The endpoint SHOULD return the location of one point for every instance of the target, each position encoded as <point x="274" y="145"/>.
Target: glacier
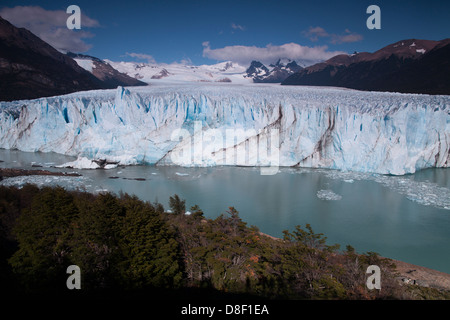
<point x="317" y="127"/>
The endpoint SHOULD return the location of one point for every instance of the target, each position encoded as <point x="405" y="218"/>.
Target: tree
<point x="305" y="264"/>
<point x="44" y="234"/>
<point x="196" y="212"/>
<point x="177" y="205"/>
<point x="95" y="242"/>
<point x="151" y="253"/>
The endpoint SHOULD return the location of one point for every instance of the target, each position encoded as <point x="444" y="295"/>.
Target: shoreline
<point x="422" y="276"/>
<point x="15" y="172"/>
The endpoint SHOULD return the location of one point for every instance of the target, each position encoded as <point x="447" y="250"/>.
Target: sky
<point x="211" y="31"/>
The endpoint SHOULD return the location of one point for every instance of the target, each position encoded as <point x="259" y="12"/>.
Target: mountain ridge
<point x="104" y="71"/>
<point x="278" y="72"/>
<point x="31" y="68"/>
<point x="406" y="66"/>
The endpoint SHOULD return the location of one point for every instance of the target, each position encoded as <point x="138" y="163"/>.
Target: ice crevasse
<point x="386" y="133"/>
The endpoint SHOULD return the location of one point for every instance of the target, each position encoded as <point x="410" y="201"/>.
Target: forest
<point x="129" y="248"/>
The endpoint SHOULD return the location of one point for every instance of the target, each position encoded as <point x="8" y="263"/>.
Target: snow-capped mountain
<point x="221" y="72"/>
<point x="256" y="70"/>
<point x="104" y="72"/>
<point x="277" y="73"/>
<point x="333" y="128"/>
<point x="150" y="72"/>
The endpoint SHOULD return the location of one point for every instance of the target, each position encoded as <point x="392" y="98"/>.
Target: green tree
<point x="151" y="253"/>
<point x="43" y="233"/>
<point x="196" y="212"/>
<point x="95" y="241"/>
<point x="304" y="263"/>
<point x="177" y="205"/>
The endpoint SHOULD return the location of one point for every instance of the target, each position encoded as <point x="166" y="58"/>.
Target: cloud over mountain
<point x="314" y="33"/>
<point x="50" y="26"/>
<point x="141" y="56"/>
<point x="269" y="54"/>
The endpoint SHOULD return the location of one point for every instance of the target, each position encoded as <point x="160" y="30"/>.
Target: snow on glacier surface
<point x="317" y="127"/>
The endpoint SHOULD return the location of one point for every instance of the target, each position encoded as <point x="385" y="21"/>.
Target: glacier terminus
<point x="210" y="124"/>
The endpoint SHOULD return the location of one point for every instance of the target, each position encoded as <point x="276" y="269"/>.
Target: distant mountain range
<point x="277" y="73"/>
<point x="30" y="68"/>
<point x="407" y="66"/>
<point x="162" y="72"/>
<point x="221" y="72"/>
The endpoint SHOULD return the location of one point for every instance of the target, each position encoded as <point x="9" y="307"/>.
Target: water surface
<point x="405" y="218"/>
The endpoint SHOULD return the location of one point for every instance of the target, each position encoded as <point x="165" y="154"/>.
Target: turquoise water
<point x="405" y="218"/>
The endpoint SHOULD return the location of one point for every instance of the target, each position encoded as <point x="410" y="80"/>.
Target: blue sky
<point x="204" y="32"/>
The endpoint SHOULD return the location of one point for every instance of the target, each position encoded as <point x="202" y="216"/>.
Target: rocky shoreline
<point x="13" y="172"/>
<point x="422" y="276"/>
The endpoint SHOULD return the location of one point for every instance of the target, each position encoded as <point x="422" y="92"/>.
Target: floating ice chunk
<point x="423" y="192"/>
<point x="80" y="163"/>
<point x="110" y="166"/>
<point x="328" y="195"/>
<point x="85" y="163"/>
<point x="69" y="182"/>
<point x="101" y="190"/>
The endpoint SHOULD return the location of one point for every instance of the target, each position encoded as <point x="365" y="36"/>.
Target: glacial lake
<point x="401" y="217"/>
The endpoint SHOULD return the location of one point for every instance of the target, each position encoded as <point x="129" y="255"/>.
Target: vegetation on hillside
<point x="125" y="246"/>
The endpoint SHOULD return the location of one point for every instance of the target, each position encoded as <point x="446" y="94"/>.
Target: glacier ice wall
<point x="386" y="133"/>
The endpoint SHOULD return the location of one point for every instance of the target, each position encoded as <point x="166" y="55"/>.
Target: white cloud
<point x="346" y="38"/>
<point x="237" y="27"/>
<point x="269" y="54"/>
<point x="141" y="56"/>
<point x="51" y="27"/>
<point x="186" y="62"/>
<point x="314" y="33"/>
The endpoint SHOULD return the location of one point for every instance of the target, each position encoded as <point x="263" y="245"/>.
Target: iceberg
<point x="80" y="163"/>
<point x="85" y="163"/>
<point x="209" y="124"/>
<point x="328" y="195"/>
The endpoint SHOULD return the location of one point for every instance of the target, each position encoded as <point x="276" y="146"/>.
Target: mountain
<point x="181" y="72"/>
<point x="278" y="72"/>
<point x="221" y="72"/>
<point x="31" y="68"/>
<point x="407" y="66"/>
<point x="331" y="128"/>
<point x="257" y="70"/>
<point x="104" y="71"/>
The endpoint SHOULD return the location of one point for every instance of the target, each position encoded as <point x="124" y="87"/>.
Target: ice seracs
<point x="349" y="130"/>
